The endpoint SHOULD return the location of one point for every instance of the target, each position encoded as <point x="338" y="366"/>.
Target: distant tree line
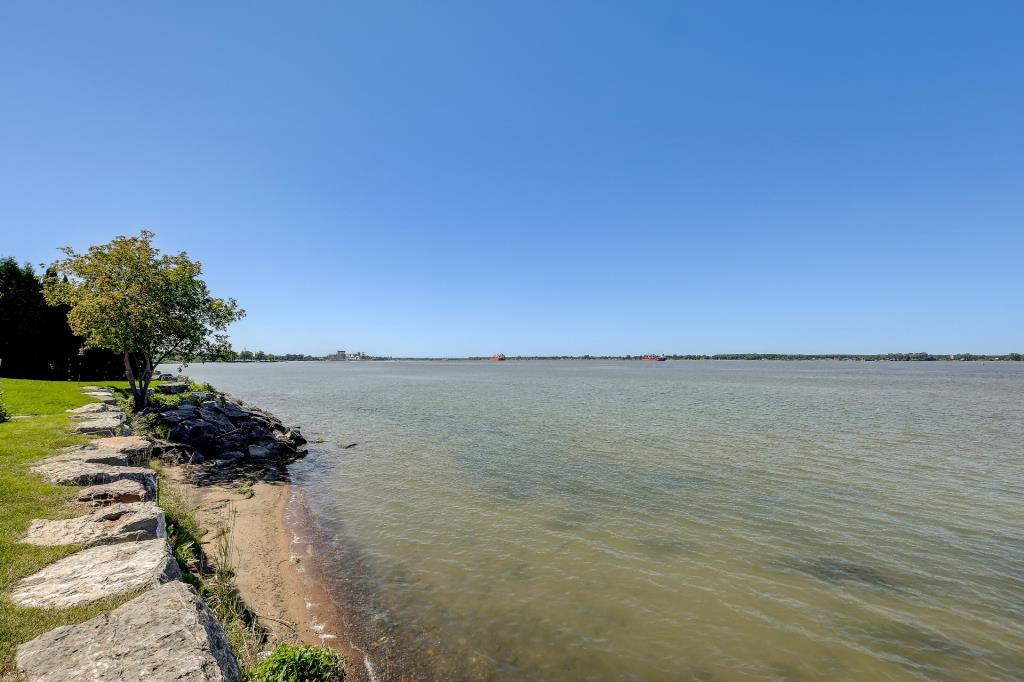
<point x="260" y="356"/>
<point x="36" y="341"/>
<point x="894" y="357"/>
<point x="228" y="354"/>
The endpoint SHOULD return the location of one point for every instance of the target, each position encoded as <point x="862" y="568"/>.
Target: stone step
<point x="93" y="408"/>
<point x="103" y="397"/>
<point x="71" y="471"/>
<point x="122" y="491"/>
<point x="116" y="450"/>
<point x="87" y="389"/>
<point x="171" y="388"/>
<point x="98" y="573"/>
<point x="136" y="448"/>
<point x="167" y="634"/>
<point x="98" y="415"/>
<point x="106" y="425"/>
<point x="117" y="523"/>
<point x="91" y="455"/>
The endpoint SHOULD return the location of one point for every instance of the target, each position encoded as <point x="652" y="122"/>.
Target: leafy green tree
<point x="128" y="297"/>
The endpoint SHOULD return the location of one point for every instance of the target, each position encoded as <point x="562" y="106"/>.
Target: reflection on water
<point x="665" y="521"/>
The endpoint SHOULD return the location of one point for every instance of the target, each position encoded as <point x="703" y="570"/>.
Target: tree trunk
<point x="147" y="377"/>
<point x="140" y="396"/>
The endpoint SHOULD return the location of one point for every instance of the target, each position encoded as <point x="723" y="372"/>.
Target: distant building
<point x="341" y="356"/>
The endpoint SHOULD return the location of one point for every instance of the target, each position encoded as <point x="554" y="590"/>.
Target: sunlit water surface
<point x="662" y="521"/>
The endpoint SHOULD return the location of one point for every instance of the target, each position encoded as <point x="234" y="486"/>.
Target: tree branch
<point x="167" y="352"/>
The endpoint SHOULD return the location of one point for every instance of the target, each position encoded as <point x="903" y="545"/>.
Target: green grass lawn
<point x="24" y="496"/>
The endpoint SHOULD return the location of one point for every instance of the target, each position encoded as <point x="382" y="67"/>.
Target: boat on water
<point x="497" y="357"/>
<point x="651" y="357"/>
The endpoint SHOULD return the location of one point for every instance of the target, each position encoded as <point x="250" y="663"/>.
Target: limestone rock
<point x="92" y="408"/>
<point x="164" y="635"/>
<point x="136" y="448"/>
<point x="105" y="425"/>
<point x="103" y="397"/>
<point x="113" y="412"/>
<point x="171" y="388"/>
<point x="77" y="472"/>
<point x="98" y="573"/>
<point x="89" y="389"/>
<point x="91" y="455"/>
<point x="119" y="450"/>
<point x="117" y="523"/>
<point x="113" y="493"/>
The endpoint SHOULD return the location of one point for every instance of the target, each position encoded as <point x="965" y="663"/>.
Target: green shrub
<point x="4" y="414"/>
<point x="300" y="663"/>
<point x="166" y="399"/>
<point x="202" y="387"/>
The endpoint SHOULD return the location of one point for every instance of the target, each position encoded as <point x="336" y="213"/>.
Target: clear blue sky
<point x="451" y="178"/>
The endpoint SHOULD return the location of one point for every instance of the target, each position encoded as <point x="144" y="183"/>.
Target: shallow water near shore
<point x="588" y="520"/>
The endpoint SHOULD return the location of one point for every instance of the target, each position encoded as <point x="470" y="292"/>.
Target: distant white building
<point x="340" y="355"/>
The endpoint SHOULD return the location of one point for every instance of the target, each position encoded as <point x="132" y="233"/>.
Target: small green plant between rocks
<point x="299" y="663"/>
<point x="201" y="387"/>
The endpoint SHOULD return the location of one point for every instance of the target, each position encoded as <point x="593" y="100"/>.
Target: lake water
<point x="589" y="520"/>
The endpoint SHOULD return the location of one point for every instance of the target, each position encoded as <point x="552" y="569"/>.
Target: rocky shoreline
<point x="197" y="425"/>
<point x="163" y="630"/>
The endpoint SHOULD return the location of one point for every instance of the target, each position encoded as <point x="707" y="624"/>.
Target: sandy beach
<point x="275" y="571"/>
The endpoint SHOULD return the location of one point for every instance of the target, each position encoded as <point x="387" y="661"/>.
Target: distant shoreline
<point x="879" y="357"/>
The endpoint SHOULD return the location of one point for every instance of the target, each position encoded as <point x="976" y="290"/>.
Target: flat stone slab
<point x="113" y="412"/>
<point x="93" y="408"/>
<point x="136" y="448"/>
<point x="114" y="493"/>
<point x="91" y="455"/>
<point x="117" y="523"/>
<point x="70" y="471"/>
<point x="104" y="389"/>
<point x="165" y="635"/>
<point x="103" y="397"/>
<point x="104" y="425"/>
<point x="98" y="573"/>
<point x="116" y="450"/>
<point x="171" y="388"/>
